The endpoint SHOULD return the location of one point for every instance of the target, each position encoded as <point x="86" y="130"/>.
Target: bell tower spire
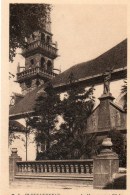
<point x="39" y="58"/>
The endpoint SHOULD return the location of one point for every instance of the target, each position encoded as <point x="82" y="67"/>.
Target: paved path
<point x="48" y="185"/>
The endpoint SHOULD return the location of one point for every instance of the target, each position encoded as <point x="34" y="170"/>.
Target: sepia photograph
<point x="67" y="105"/>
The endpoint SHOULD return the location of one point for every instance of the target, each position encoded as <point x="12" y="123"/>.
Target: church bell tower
<point x="39" y="59"/>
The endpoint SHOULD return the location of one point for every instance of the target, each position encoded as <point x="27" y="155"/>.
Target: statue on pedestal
<point x="107" y="78"/>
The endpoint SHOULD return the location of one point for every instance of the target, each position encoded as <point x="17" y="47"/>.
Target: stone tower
<point x="39" y="59"/>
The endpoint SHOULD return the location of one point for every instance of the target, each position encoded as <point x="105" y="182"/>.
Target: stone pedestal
<point x="12" y="164"/>
<point x="106" y="165"/>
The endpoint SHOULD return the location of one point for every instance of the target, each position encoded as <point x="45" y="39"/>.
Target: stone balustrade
<point x="55" y="166"/>
<point x="35" y="71"/>
<point x="44" y="46"/>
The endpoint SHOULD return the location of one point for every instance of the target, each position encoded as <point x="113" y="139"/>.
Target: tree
<point x="15" y="127"/>
<point x="124" y="92"/>
<point x="65" y="142"/>
<point x="71" y="141"/>
<point x="46" y="111"/>
<point x="118" y="145"/>
<point x="24" y="20"/>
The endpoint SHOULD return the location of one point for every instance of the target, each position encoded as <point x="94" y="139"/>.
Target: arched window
<point x="49" y="66"/>
<point x="42" y="62"/>
<point x="43" y="37"/>
<point x="48" y="39"/>
<point x="32" y="61"/>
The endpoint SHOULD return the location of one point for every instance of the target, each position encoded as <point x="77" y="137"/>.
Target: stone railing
<point x="55" y="166"/>
<point x="47" y="48"/>
<point x="35" y="71"/>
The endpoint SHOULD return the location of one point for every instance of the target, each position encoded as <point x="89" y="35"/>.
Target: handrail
<point x="55" y="166"/>
<point x="44" y="46"/>
<point x="34" y="71"/>
<point x="71" y="160"/>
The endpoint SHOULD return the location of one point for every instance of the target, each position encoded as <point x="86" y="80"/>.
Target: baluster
<point x="67" y="168"/>
<point x="82" y="170"/>
<point x="58" y="168"/>
<point x="29" y="167"/>
<point x="72" y="168"/>
<point x="62" y="168"/>
<point x="91" y="168"/>
<point x="54" y="168"/>
<point x="49" y="168"/>
<point x="33" y="168"/>
<point x="38" y="168"/>
<point x="45" y="166"/>
<point x="76" y="169"/>
<point x="41" y="167"/>
<point x="25" y="168"/>
<point x="86" y="168"/>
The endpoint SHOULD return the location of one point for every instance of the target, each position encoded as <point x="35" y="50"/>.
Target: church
<point x="39" y="69"/>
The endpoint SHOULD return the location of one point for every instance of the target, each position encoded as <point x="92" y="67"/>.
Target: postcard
<point x="64" y="97"/>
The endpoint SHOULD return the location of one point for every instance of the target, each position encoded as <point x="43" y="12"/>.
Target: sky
<point x="83" y="32"/>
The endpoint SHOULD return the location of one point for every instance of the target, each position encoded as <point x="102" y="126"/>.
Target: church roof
<point x="26" y="105"/>
<point x="115" y="58"/>
<point x="16" y="126"/>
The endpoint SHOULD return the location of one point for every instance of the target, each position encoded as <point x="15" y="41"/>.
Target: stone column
<point x="12" y="164"/>
<point x="106" y="165"/>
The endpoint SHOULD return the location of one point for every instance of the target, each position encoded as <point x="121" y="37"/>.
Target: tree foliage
<point x="69" y="140"/>
<point x="76" y="108"/>
<point x="118" y="145"/>
<point x="24" y="20"/>
<point x="14" y="127"/>
<point x="124" y="92"/>
<point x="46" y="110"/>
